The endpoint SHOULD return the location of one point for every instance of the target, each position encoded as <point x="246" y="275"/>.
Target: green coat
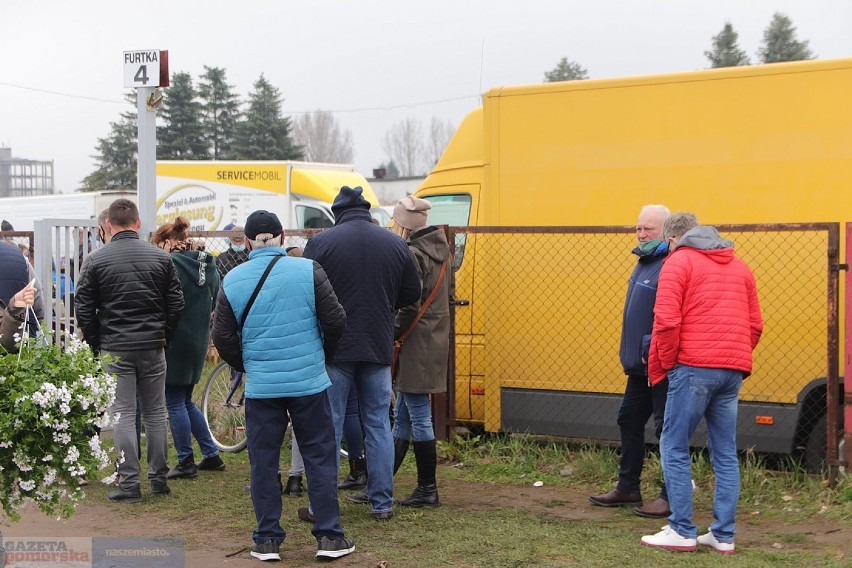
<point x="199" y="281"/>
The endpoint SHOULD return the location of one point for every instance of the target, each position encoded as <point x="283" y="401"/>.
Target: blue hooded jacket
<point x="638" y="319"/>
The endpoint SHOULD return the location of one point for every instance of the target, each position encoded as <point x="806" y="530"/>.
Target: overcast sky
<point x="372" y="62"/>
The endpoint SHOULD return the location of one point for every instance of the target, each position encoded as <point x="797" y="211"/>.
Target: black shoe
<point x="360" y="498"/>
<point x="294" y="485"/>
<point x="334" y="548"/>
<point x="423" y="496"/>
<point x="357" y="477"/>
<point x="213" y="463"/>
<point x="386" y="516"/>
<point x="126" y="495"/>
<point x="354" y="481"/>
<point x="184" y="470"/>
<point x="267" y="551"/>
<point x="160" y="487"/>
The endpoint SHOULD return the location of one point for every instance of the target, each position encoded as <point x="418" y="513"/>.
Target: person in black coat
<point x="129" y="302"/>
<point x="373" y="275"/>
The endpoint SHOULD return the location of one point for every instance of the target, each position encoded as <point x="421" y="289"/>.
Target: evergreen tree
<point x="181" y="137"/>
<point x="780" y="43"/>
<point x="220" y="111"/>
<point x="726" y="52"/>
<point x="264" y="134"/>
<point x="566" y="71"/>
<point x="391" y="170"/>
<point x="116" y="155"/>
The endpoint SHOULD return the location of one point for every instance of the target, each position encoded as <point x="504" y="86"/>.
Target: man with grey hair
<point x="278" y="320"/>
<point x="707" y="322"/>
<point x="641" y="401"/>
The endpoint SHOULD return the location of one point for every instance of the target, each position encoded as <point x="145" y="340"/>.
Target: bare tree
<point x="322" y="139"/>
<point x="440" y="132"/>
<point x="403" y="143"/>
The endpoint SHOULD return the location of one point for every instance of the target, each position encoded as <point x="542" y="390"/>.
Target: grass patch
<point x="494" y="523"/>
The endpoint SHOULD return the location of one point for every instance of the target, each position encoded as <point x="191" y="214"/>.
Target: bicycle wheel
<point x="222" y="406"/>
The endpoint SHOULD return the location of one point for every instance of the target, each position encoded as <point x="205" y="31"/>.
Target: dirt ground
<point x="95" y="518"/>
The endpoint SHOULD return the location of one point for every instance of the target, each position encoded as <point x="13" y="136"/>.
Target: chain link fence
<point x="537" y="325"/>
<point x="538" y="320"/>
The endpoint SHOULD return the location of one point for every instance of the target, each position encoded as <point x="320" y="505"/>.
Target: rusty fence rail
<point x="537" y="324"/>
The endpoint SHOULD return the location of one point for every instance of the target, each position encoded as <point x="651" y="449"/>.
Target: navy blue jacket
<point x="639" y="311"/>
<point x="13" y="271"/>
<point x="373" y="274"/>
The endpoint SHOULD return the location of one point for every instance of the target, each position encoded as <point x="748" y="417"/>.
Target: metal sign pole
<point x="146" y="172"/>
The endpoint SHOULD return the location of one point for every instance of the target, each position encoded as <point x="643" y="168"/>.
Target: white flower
<point x="73" y="455"/>
<point x="27" y="485"/>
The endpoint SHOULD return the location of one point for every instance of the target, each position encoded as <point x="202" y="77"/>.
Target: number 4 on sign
<point x="141" y="75"/>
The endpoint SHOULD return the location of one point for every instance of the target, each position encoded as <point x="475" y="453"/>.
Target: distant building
<point x="390" y="190"/>
<point x="20" y="177"/>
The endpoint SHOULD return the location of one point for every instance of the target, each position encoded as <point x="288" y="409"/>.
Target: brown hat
<point x="411" y="212"/>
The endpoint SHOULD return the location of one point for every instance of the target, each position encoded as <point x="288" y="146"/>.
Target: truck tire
<point x="815" y="449"/>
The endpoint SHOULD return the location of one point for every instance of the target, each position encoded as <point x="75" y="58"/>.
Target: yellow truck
<point x="538" y="315"/>
<point x="212" y="194"/>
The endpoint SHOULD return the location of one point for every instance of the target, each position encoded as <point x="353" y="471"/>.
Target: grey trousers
<point x="142" y="373"/>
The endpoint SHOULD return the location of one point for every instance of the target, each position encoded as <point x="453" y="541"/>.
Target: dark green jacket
<point x="199" y="281"/>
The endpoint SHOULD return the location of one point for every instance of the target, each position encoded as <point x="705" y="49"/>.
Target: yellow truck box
<point x="762" y="144"/>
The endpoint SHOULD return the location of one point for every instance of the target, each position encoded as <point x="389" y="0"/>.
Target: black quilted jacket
<point x="128" y="297"/>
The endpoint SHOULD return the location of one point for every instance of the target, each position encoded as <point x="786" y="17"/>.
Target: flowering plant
<point x="52" y="402"/>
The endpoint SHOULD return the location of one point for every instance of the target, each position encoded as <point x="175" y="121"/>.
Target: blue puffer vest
<point x="281" y="339"/>
<point x="13" y="271"/>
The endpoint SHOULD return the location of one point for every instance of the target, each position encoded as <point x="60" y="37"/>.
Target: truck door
<point x="457" y="208"/>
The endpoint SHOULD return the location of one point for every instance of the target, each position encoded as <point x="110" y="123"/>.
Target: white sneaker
<point x="669" y="540"/>
<point x="720" y="547"/>
<point x="268" y="551"/>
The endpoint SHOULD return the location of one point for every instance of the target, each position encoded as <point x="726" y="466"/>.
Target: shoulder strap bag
<point x="257" y="290"/>
<point x="397" y="344"/>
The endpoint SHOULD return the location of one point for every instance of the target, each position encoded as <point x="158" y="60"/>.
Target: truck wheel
<point x="815" y="450"/>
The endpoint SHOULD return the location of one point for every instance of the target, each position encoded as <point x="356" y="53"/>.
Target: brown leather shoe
<point x="617" y="498"/>
<point x="656" y="509"/>
<point x="305" y="514"/>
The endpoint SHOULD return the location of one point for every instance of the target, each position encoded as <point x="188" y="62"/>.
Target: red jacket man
<point x="706" y="324"/>
<point x="704" y="272"/>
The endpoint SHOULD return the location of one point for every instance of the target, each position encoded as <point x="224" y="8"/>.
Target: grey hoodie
<point x="704" y="237"/>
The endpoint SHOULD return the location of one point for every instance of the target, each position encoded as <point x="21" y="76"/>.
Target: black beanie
<point x="6" y="226"/>
<point x="347" y="199"/>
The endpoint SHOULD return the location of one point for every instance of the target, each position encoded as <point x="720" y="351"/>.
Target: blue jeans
<point x="186" y="421"/>
<point x="640" y="402"/>
<point x="712" y="394"/>
<point x="353" y="434"/>
<point x="266" y="423"/>
<point x="373" y="382"/>
<point x="412" y="417"/>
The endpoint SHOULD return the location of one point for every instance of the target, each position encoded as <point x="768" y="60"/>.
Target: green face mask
<point x="650" y="246"/>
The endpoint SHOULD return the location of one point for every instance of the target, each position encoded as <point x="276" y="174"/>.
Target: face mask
<point x="238" y="248"/>
<point x="650" y="246"/>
